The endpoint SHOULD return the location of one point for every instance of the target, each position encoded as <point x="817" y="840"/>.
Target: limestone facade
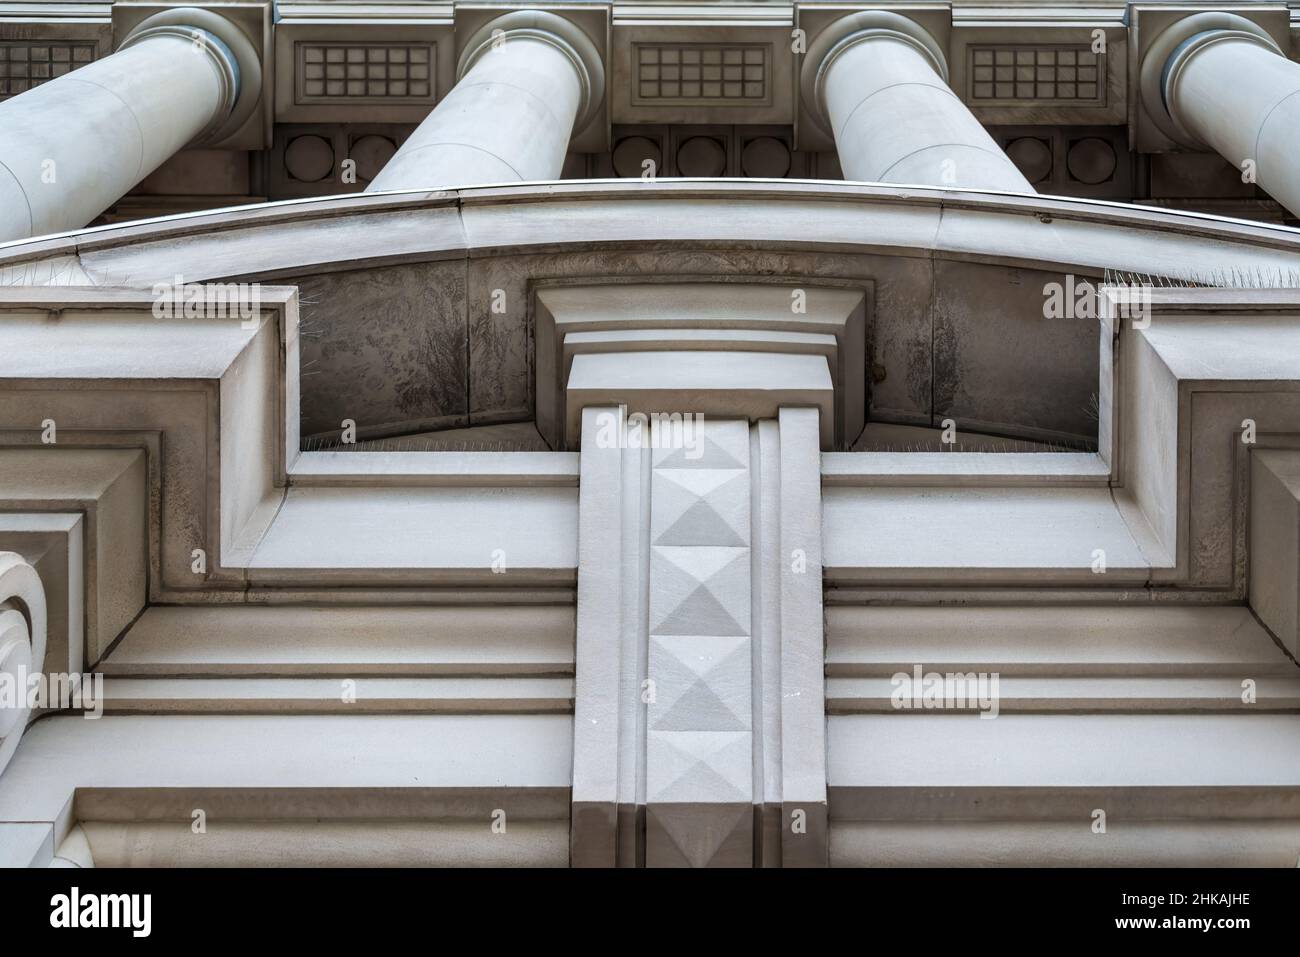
<point x="646" y="434"/>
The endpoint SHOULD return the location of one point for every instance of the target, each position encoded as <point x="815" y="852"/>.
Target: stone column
<point x="1217" y="81"/>
<point x="73" y="146"/>
<point x="877" y="82"/>
<point x="526" y="82"/>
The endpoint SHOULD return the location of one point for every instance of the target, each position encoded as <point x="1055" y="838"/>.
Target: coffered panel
<point x="383" y="70"/>
<point x="1041" y="74"/>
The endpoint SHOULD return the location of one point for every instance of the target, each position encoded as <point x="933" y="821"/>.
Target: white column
<point x="527" y="81"/>
<point x="877" y="82"/>
<point x="1217" y="81"/>
<point x="73" y="146"/>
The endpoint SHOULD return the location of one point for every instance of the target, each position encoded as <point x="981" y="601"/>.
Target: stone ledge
<point x="461" y="469"/>
<point x="920" y="536"/>
<point x="1053" y="640"/>
<point x="409" y="535"/>
<point x="390" y="640"/>
<point x="908" y="751"/>
<point x="964" y="469"/>
<point x="410" y="755"/>
<point x="338" y="695"/>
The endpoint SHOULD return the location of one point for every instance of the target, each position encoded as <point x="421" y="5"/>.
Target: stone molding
<point x="81" y="516"/>
<point x="1274" y="540"/>
<point x="670" y="321"/>
<point x="22" y="642"/>
<point x="226" y="422"/>
<point x="482" y="239"/>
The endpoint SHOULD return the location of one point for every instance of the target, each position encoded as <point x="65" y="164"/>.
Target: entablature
<point x="700" y="89"/>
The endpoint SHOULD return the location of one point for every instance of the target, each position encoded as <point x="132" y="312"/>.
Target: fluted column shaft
<point x="527" y="81"/>
<point x="72" y="147"/>
<point x="876" y="81"/>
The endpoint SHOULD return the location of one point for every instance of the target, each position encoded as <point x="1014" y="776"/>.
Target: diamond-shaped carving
<point x="700" y="507"/>
<point x="698" y="590"/>
<point x="703" y="766"/>
<point x="699" y="742"/>
<point x="700" y="835"/>
<point x="701" y="683"/>
<point x="715" y="445"/>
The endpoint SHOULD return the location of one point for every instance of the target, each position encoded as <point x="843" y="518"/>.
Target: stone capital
<point x="237" y="39"/>
<point x="1173" y="49"/>
<point x="850" y="30"/>
<point x="540" y="25"/>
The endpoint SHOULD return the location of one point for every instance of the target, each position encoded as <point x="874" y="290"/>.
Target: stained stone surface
<point x="997" y="359"/>
<point x="430" y="346"/>
<point x="384" y="347"/>
<point x="956" y="328"/>
<point x="501" y="345"/>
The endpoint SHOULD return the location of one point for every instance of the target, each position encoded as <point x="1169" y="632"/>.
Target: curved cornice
<point x="291" y="238"/>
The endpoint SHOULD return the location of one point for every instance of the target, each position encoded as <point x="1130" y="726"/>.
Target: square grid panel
<point x="1059" y="74"/>
<point x="349" y="71"/>
<point x="732" y="73"/>
<point x="24" y="65"/>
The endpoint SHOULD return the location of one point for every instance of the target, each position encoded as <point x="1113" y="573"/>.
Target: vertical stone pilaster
<point x="803" y="655"/>
<point x="608" y="716"/>
<point x="699" y="760"/>
<point x="700" y="708"/>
